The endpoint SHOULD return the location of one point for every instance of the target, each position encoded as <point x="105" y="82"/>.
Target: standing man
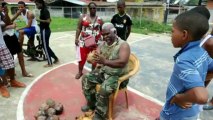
<point x="45" y="32"/>
<point x="122" y="21"/>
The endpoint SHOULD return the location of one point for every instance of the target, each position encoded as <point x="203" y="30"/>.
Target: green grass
<point x="145" y="27"/>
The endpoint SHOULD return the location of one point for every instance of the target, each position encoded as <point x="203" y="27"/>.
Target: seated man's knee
<point x="105" y="91"/>
<point x="21" y="32"/>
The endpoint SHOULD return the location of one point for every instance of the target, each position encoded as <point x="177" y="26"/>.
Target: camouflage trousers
<point x="101" y="99"/>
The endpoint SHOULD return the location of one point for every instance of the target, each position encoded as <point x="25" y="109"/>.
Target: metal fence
<point x="155" y="13"/>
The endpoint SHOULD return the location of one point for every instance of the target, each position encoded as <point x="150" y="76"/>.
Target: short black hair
<point x="41" y="2"/>
<point x="91" y="4"/>
<point x="196" y="24"/>
<point x="121" y="2"/>
<point x="22" y="3"/>
<point x="202" y="10"/>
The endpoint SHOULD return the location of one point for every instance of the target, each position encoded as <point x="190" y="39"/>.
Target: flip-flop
<point x="208" y="107"/>
<point x="28" y="75"/>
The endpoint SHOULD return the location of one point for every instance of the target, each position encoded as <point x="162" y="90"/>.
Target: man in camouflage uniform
<point x="112" y="57"/>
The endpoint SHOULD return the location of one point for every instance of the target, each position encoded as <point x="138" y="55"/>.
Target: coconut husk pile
<point x="49" y="111"/>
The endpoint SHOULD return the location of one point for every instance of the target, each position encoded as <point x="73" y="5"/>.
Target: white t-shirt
<point x="205" y="39"/>
<point x="34" y="22"/>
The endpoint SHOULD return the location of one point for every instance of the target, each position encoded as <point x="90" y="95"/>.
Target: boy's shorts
<point x="12" y="44"/>
<point x="30" y="32"/>
<point x="6" y="59"/>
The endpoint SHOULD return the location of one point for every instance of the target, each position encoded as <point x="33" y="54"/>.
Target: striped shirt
<point x="191" y="65"/>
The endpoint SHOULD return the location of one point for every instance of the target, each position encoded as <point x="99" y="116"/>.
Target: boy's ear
<point x="185" y="34"/>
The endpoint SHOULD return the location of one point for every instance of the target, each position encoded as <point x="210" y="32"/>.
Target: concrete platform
<point x="61" y="86"/>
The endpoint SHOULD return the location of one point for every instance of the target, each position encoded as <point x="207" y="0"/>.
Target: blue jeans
<point x="186" y="118"/>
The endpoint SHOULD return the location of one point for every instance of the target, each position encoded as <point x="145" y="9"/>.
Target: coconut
<point x="51" y="112"/>
<point x="51" y="103"/>
<point x="41" y="118"/>
<point x="59" y="108"/>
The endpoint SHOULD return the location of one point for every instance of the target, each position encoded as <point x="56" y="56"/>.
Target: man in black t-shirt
<point x="122" y="21"/>
<point x="45" y="20"/>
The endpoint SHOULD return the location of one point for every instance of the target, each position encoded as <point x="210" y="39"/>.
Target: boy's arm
<point x="6" y="18"/>
<point x="185" y="100"/>
<point x="16" y="15"/>
<point x="13" y="26"/>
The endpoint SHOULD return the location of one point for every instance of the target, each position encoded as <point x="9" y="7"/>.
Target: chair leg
<point x="127" y="103"/>
<point x="110" y="109"/>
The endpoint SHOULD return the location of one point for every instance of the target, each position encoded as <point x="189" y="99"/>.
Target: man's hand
<point x="99" y="58"/>
<point x="176" y="100"/>
<point x="18" y="12"/>
<point x="13" y="26"/>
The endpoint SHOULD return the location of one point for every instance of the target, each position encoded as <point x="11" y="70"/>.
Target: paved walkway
<point x="154" y="51"/>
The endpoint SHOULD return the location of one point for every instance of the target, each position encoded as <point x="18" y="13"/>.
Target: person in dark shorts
<point x="122" y="21"/>
<point x="11" y="41"/>
<point x="31" y="27"/>
<point x="6" y="64"/>
<point x="46" y="32"/>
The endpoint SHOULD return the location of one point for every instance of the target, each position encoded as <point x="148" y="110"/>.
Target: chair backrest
<point x="133" y="68"/>
<point x="133" y="64"/>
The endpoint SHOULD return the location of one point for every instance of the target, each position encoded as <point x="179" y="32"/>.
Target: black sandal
<point x="78" y="76"/>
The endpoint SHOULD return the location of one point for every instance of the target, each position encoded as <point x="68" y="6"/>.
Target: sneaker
<point x="15" y="83"/>
<point x="4" y="92"/>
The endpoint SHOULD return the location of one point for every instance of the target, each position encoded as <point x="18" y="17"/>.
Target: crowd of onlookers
<point x="12" y="39"/>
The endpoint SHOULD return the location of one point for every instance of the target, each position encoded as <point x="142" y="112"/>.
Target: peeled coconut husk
<point x="51" y="112"/>
<point x="59" y="108"/>
<point x="51" y="103"/>
<point x="40" y="113"/>
<point x="44" y="107"/>
<point x="41" y="118"/>
<point x="54" y="117"/>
